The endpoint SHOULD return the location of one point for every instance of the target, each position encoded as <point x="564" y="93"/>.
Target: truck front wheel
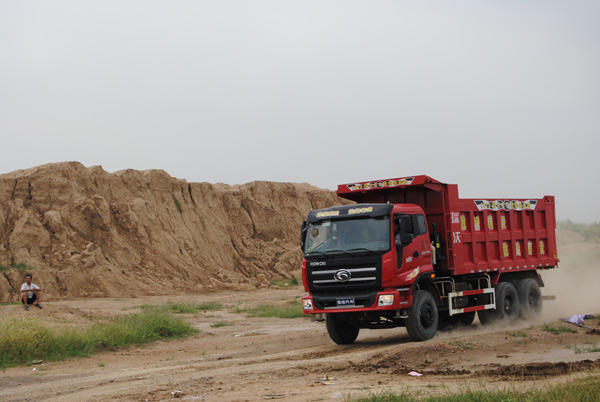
<point x="422" y="321"/>
<point x="339" y="330"/>
<point x="530" y="297"/>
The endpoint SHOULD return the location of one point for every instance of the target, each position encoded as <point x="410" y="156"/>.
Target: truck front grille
<point x="357" y="275"/>
<point x="341" y="276"/>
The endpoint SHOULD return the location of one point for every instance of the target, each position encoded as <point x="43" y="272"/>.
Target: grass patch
<point x="518" y="334"/>
<point x="25" y="340"/>
<point x="292" y="309"/>
<point x="585" y="349"/>
<point x="584" y="389"/>
<point x="21" y="267"/>
<point x="590" y="232"/>
<point x="466" y="346"/>
<point x="210" y="306"/>
<point x="284" y="282"/>
<point x="221" y="324"/>
<point x="558" y="330"/>
<point x="183" y="308"/>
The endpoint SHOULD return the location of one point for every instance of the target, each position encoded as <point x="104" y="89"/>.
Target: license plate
<point x="345" y="301"/>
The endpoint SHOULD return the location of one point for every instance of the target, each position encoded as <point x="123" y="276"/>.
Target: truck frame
<point x="411" y="253"/>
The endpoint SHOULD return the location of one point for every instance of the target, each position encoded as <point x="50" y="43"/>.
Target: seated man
<point x="30" y="293"/>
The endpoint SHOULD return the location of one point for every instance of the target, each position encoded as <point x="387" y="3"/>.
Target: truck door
<point x="412" y="242"/>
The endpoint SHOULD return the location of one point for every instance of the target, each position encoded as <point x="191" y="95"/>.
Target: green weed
<point x="177" y="204"/>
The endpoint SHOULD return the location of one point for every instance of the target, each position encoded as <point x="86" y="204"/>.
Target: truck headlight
<point x="385" y="300"/>
<point x="307" y="304"/>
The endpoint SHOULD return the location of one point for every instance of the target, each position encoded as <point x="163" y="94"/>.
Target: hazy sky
<point x="502" y="98"/>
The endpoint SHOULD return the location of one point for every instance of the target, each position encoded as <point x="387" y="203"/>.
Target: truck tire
<point x="507" y="305"/>
<point x="530" y="297"/>
<point x="339" y="330"/>
<point x="422" y="321"/>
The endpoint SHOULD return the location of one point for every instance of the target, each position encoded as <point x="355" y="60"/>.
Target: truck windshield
<point x="352" y="235"/>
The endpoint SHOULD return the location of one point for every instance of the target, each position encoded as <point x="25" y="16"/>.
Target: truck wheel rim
<point x="426" y="316"/>
<point x="508" y="305"/>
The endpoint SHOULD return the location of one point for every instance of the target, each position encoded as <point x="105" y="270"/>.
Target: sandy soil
<point x="257" y="359"/>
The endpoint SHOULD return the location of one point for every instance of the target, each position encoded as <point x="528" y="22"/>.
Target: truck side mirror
<point x="405" y="231"/>
<point x="303" y="234"/>
<point x="406" y="238"/>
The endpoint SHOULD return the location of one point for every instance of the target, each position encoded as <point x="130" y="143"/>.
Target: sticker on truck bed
<point x="381" y="184"/>
<point x="505" y="205"/>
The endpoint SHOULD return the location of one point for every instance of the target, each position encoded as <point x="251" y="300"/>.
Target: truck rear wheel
<point x="507" y="305"/>
<point x="422" y="321"/>
<point x="339" y="330"/>
<point x="530" y="297"/>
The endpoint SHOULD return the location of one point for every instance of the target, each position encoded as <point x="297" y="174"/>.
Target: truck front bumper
<point x="373" y="301"/>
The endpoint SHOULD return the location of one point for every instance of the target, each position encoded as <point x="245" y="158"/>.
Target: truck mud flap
<point x="490" y="306"/>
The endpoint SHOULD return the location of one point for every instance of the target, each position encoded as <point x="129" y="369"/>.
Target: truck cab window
<point x="348" y="234"/>
<point x="420" y="225"/>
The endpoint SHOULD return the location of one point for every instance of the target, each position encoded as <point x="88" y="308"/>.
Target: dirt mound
<point x="86" y="232"/>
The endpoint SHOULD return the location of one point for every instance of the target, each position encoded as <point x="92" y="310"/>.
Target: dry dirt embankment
<point x="87" y="232"/>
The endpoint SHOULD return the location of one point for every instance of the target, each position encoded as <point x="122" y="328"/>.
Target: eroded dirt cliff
<point x="86" y="232"/>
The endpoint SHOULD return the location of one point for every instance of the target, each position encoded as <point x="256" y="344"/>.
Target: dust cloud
<point x="576" y="282"/>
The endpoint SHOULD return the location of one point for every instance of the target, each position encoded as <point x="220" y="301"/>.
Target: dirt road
<point x="235" y="358"/>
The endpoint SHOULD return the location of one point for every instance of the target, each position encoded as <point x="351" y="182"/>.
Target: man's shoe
<point x="26" y="307"/>
<point x="38" y="305"/>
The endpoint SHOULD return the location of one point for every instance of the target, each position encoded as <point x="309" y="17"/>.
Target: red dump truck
<point x="411" y="253"/>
